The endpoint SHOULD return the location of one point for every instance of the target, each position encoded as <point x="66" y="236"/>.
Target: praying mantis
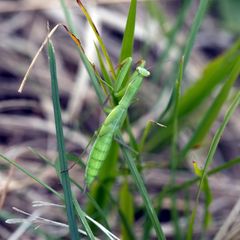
<point x="115" y="118"/>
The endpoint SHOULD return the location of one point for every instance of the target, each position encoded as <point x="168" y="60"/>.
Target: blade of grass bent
<point x="83" y="56"/>
<point x="36" y="56"/>
<point x="68" y="16"/>
<point x="142" y="189"/>
<point x="101" y="43"/>
<point x="90" y="71"/>
<point x="209" y="159"/>
<point x="88" y="65"/>
<point x="61" y="148"/>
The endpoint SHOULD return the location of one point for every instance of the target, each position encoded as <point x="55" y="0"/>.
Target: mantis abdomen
<point x="103" y="142"/>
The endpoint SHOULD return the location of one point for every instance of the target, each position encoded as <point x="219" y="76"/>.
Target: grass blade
<point x="213" y="111"/>
<point x="106" y="76"/>
<point x="88" y="65"/>
<point x="142" y="189"/>
<point x="19" y="167"/>
<point x="171" y="38"/>
<point x="209" y="159"/>
<point x="80" y="213"/>
<point x="101" y="43"/>
<point x="83" y="57"/>
<point x="61" y="148"/>
<point x="194" y="29"/>
<point x="189" y="183"/>
<point x="68" y="16"/>
<point x="128" y="38"/>
<point x="82" y="217"/>
<point x="126" y="207"/>
<point x="174" y="151"/>
<point x="215" y="72"/>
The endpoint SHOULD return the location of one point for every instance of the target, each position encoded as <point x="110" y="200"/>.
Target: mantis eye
<point x="143" y="71"/>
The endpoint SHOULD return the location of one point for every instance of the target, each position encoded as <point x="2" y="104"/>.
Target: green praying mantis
<point x="115" y="118"/>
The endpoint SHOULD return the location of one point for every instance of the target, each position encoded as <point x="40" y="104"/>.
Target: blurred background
<point x="26" y="119"/>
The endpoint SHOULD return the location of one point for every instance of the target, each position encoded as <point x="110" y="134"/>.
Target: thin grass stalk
<point x="128" y="37"/>
<point x="142" y="189"/>
<point x="19" y="167"/>
<point x="171" y="39"/>
<point x="101" y="43"/>
<point x="174" y="149"/>
<point x="61" y="148"/>
<point x="189" y="183"/>
<point x="212" y="113"/>
<point x="194" y="29"/>
<point x="209" y="159"/>
<point x="82" y="216"/>
<point x="68" y="16"/>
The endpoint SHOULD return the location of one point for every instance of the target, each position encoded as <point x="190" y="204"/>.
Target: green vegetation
<point x="115" y="163"/>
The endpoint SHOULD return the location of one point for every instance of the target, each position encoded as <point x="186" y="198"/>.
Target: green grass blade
<point x="213" y="111"/>
<point x="89" y="67"/>
<point x="177" y="91"/>
<point x="194" y="29"/>
<point x="156" y="12"/>
<point x="174" y="149"/>
<point x="128" y="37"/>
<point x="142" y="189"/>
<point x="98" y="208"/>
<point x="76" y="205"/>
<point x="101" y="43"/>
<point x="84" y="58"/>
<point x="209" y="159"/>
<point x="126" y="207"/>
<point x="215" y="72"/>
<point x="104" y="71"/>
<point x="207" y="197"/>
<point x="189" y="183"/>
<point x="61" y="148"/>
<point x="124" y="69"/>
<point x="68" y="16"/>
<point x="82" y="217"/>
<point x="171" y="38"/>
<point x="19" y="167"/>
